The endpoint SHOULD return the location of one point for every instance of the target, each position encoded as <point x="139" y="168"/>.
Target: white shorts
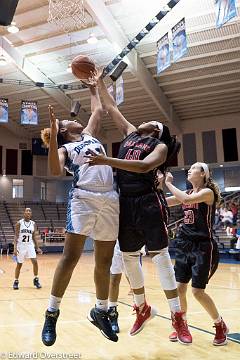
<point x="94" y="214"/>
<point x="117" y="266"/>
<point x="25" y="251"/>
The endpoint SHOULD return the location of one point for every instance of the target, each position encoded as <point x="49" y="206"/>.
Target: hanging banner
<point x="225" y="11"/>
<point x="3" y="110"/>
<point x="29" y="113"/>
<point x="119" y="91"/>
<point x="111" y="90"/>
<point x="179" y="40"/>
<point x="163" y="55"/>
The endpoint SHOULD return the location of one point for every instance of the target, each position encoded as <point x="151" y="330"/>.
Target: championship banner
<point x="3" y="110"/>
<point x="163" y="55"/>
<point x="29" y="113"/>
<point x="179" y="40"/>
<point x="119" y="91"/>
<point x="225" y="11"/>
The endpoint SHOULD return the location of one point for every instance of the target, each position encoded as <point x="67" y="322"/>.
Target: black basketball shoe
<point x="15" y="285"/>
<point x="113" y="317"/>
<point x="37" y="283"/>
<point x="49" y="329"/>
<point x="100" y="319"/>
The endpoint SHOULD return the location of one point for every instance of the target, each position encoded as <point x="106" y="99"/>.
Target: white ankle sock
<point x="174" y="304"/>
<point x="139" y="299"/>
<point x="54" y="303"/>
<point x="102" y="304"/>
<point x="112" y="303"/>
<point x="218" y="320"/>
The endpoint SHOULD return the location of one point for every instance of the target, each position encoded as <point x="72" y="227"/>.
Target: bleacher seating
<point x="46" y="215"/>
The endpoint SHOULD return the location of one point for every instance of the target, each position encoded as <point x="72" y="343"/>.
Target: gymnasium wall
<point x="192" y="137"/>
<point x="197" y="127"/>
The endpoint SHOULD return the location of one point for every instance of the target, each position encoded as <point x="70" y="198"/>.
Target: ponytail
<point x="173" y="146"/>
<point x="46" y="134"/>
<point x="214" y="187"/>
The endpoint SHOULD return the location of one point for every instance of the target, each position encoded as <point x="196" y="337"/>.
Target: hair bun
<point x="45" y="136"/>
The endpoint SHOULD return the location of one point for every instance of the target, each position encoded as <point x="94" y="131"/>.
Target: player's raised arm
<point x="94" y="124"/>
<point x="124" y="126"/>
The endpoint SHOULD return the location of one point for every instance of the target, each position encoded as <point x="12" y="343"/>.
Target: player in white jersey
<point x="25" y="242"/>
<point x="93" y="210"/>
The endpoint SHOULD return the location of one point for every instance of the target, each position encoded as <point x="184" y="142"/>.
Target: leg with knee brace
<point x="165" y="269"/>
<point x="133" y="269"/>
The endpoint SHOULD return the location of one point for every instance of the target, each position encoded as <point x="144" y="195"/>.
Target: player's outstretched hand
<point x="168" y="178"/>
<point x="39" y="251"/>
<point x="95" y="158"/>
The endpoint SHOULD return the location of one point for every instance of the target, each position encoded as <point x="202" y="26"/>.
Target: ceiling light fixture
<point x="92" y="39"/>
<point x="13" y="29"/>
<point x="3" y="59"/>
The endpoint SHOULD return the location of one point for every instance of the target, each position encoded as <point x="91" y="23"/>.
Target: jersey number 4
<point x="133" y="154"/>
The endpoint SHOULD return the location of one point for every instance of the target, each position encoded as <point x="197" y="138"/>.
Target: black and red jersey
<point x="136" y="147"/>
<point x="198" y="221"/>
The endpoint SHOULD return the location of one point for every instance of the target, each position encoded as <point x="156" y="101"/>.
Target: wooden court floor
<point x="22" y="316"/>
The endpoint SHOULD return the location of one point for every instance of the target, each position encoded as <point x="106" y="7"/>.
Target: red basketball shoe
<point x="144" y="313"/>
<point x="221" y="333"/>
<point x="181" y="328"/>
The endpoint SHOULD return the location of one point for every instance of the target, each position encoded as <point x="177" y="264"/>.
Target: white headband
<point x="205" y="169"/>
<point x="160" y="128"/>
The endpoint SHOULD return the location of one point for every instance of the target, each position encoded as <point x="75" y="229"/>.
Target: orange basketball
<point x="82" y="67"/>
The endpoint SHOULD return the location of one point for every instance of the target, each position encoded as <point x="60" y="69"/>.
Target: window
<point x="209" y="147"/>
<point x="43" y="191"/>
<point x="230" y="148"/>
<point x="11" y="161"/>
<point x="26" y="162"/>
<point x="189" y="149"/>
<point x="17" y="189"/>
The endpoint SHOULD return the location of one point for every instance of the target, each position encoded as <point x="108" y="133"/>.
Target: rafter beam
<point x="34" y="74"/>
<point x="114" y="33"/>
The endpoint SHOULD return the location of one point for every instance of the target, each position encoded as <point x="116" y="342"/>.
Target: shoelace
<point x="50" y="323"/>
<point x="182" y="326"/>
<point x="137" y="310"/>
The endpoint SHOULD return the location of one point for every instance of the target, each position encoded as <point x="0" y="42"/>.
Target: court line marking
<point x="191" y="326"/>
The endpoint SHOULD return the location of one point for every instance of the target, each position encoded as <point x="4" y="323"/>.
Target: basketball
<point x="82" y="67"/>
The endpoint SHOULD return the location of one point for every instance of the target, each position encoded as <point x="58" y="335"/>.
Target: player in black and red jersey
<point x="143" y="152"/>
<point x="196" y="251"/>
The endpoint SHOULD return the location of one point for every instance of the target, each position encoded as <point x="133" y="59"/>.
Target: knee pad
<point x="165" y="269"/>
<point x="133" y="269"/>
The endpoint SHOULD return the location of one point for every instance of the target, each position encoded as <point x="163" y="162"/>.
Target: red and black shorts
<point x="142" y="222"/>
<point x="196" y="260"/>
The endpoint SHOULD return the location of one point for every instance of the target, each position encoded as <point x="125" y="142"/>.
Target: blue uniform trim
<point x="69" y="225"/>
<point x="73" y="169"/>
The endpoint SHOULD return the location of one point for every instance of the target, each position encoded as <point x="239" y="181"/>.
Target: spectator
<point x="218" y="217"/>
<point x="227" y="220"/>
<point x="234" y="209"/>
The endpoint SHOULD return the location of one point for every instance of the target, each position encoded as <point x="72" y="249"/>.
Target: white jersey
<point x="86" y="177"/>
<point x="26" y="232"/>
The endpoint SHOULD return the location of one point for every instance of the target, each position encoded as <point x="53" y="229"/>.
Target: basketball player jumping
<point x="93" y="210"/>
<point x="142" y="212"/>
<point x="196" y="251"/>
<point x="25" y="242"/>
